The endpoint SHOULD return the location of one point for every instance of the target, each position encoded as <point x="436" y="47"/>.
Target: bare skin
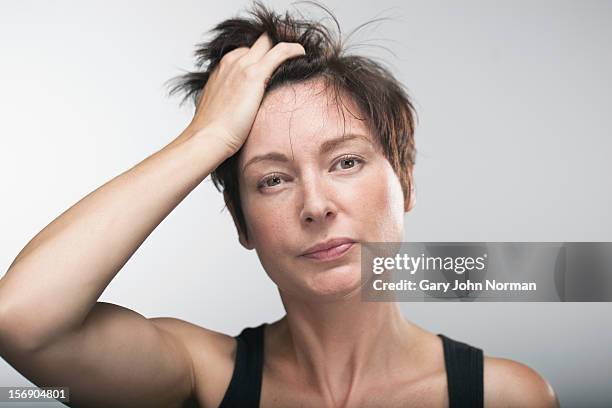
<point x="55" y="332"/>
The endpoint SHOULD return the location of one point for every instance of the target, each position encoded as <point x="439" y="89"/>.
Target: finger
<point x="235" y="54"/>
<point x="259" y="48"/>
<point x="277" y="55"/>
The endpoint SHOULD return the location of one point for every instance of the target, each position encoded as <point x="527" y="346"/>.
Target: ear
<point x="241" y="236"/>
<point x="411" y="199"/>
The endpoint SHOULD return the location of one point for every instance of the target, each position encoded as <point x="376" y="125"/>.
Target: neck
<point x="339" y="345"/>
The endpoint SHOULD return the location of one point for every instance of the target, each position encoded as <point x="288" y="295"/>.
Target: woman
<point x="314" y="150"/>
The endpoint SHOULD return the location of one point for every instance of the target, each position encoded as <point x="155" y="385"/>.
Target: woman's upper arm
<point x="213" y="356"/>
<point x="116" y="358"/>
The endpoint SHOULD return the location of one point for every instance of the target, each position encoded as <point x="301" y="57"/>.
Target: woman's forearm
<point x="59" y="275"/>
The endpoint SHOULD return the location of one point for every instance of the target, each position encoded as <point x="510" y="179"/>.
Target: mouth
<point x="332" y="253"/>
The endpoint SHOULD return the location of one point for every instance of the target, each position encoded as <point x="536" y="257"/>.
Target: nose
<point x="318" y="206"/>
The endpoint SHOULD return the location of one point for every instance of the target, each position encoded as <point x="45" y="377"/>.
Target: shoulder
<point x="508" y="383"/>
<point x="211" y="354"/>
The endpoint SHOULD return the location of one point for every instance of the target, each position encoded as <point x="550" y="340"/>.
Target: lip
<point x="330" y="249"/>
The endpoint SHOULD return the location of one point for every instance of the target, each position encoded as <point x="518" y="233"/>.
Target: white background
<point x="513" y="137"/>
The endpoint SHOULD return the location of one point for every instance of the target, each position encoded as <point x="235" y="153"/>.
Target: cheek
<point x="268" y="224"/>
<point x="271" y="231"/>
<point x="384" y="206"/>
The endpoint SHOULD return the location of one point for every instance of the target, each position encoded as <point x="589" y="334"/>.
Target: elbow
<point x="20" y="330"/>
<point x="15" y="335"/>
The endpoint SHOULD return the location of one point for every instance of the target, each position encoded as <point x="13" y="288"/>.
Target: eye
<point x="266" y="182"/>
<point x="349" y="159"/>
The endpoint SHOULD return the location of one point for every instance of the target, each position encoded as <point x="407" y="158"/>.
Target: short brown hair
<point x="380" y="97"/>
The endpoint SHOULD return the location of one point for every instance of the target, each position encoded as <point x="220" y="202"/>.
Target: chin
<point x="334" y="283"/>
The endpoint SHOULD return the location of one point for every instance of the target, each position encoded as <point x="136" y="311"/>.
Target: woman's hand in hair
<point x="229" y="101"/>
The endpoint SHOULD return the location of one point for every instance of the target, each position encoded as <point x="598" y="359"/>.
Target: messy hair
<point x="384" y="102"/>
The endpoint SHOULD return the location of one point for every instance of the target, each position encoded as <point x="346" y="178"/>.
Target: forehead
<point x="299" y="117"/>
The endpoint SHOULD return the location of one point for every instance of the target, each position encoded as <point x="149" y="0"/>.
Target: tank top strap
<point x="464" y="373"/>
<point x="245" y="386"/>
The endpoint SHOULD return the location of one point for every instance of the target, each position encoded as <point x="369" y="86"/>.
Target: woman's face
<point x="347" y="189"/>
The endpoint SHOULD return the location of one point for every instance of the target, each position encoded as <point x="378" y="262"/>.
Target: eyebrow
<point x="325" y="147"/>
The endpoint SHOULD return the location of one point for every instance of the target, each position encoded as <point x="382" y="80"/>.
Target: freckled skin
<point x="316" y="196"/>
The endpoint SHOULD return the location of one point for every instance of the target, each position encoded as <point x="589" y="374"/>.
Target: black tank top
<point x="464" y="372"/>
